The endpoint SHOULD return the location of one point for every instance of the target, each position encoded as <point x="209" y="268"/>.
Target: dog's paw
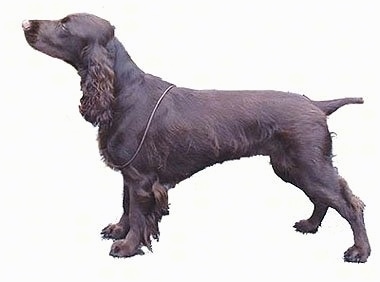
<point x="304" y="226"/>
<point x="114" y="232"/>
<point x="356" y="254"/>
<point x="121" y="249"/>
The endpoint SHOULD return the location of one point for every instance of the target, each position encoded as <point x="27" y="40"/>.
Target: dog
<point x="157" y="134"/>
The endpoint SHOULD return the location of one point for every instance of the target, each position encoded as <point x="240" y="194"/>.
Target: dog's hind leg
<point x="305" y="161"/>
<point x="321" y="182"/>
<point x="361" y="249"/>
<point x="328" y="187"/>
<point x="288" y="173"/>
<point x="312" y="224"/>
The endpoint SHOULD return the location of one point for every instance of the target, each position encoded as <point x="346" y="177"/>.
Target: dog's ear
<point x="97" y="84"/>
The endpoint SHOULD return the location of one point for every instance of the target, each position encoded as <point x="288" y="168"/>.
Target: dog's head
<point x="80" y="40"/>
<point x="68" y="38"/>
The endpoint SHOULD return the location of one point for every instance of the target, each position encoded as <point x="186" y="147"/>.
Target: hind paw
<point x="356" y="254"/>
<point x="304" y="226"/>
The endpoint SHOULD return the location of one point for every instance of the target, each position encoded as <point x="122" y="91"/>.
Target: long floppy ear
<point x="97" y="85"/>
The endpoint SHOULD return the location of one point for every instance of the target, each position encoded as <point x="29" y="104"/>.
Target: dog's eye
<point x="64" y="27"/>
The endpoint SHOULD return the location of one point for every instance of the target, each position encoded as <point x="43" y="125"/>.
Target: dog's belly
<point x="180" y="165"/>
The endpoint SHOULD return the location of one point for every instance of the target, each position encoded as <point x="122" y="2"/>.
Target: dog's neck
<point x="127" y="73"/>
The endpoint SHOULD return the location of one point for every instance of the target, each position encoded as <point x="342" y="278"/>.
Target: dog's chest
<point x="105" y="153"/>
<point x="114" y="149"/>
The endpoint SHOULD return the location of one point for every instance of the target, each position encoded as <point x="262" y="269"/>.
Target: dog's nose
<point x="26" y="24"/>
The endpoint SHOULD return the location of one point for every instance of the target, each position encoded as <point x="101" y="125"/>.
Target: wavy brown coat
<point x="191" y="130"/>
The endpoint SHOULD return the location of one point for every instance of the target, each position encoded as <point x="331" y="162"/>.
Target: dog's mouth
<point x="30" y="30"/>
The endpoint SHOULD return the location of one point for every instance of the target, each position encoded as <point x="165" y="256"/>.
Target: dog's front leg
<point x="119" y="230"/>
<point x="148" y="202"/>
<point x="130" y="245"/>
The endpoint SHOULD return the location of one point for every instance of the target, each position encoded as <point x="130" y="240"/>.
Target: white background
<point x="231" y="222"/>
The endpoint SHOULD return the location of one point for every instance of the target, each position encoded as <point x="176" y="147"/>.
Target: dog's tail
<point x="330" y="106"/>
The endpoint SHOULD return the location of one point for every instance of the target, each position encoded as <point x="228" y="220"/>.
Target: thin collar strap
<point x="146" y="129"/>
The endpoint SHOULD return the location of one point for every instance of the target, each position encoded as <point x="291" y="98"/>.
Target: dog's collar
<point x="124" y="165"/>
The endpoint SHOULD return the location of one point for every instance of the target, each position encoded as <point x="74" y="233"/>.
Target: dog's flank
<point x="191" y="130"/>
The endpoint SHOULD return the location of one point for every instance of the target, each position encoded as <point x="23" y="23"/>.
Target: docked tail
<point x="330" y="106"/>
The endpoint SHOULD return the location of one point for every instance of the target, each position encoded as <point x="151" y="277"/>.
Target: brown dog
<point x="157" y="134"/>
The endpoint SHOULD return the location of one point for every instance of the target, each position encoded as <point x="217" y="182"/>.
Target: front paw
<point x="122" y="248"/>
<point x="114" y="231"/>
<point x="356" y="254"/>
